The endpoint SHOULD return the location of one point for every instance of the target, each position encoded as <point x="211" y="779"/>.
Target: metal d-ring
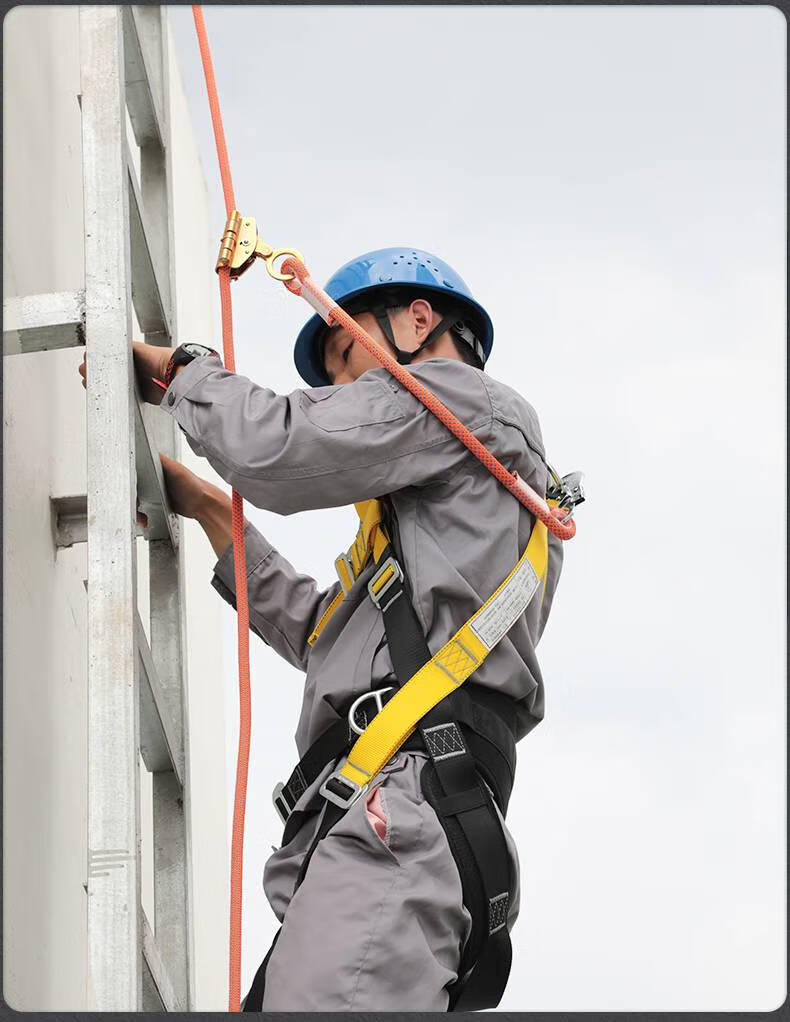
<point x="276" y="254"/>
<point x="375" y="694"/>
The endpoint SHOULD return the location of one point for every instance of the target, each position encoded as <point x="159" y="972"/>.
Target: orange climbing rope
<point x="239" y="560"/>
<point x="296" y="278"/>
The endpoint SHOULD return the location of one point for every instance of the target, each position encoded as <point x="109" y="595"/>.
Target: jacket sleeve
<point x="325" y="446"/>
<point x="284" y="605"/>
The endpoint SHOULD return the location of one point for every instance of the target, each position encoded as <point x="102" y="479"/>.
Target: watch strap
<point x="184" y="359"/>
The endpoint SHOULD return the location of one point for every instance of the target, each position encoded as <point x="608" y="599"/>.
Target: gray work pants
<point x="376" y="925"/>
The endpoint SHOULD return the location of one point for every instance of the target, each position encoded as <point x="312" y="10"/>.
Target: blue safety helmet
<point x="375" y="282"/>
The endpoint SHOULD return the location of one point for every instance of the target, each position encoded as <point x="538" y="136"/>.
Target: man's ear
<point x="422" y="317"/>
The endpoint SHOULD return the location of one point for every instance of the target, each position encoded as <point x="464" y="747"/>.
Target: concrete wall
<point x="45" y="625"/>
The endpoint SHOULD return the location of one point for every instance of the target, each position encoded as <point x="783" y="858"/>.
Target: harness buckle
<point x="397" y="576"/>
<point x="376" y="694"/>
<point x="279" y="802"/>
<point x="340" y="791"/>
<point x="346" y="561"/>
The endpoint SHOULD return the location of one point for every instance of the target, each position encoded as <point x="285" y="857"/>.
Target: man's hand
<point x="193" y="497"/>
<point x="187" y="492"/>
<point x="150" y="360"/>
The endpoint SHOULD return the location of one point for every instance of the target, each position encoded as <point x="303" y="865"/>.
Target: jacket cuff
<point x="256" y="549"/>
<point x="187" y="378"/>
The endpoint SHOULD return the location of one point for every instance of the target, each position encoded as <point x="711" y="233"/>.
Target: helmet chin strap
<point x="407" y="357"/>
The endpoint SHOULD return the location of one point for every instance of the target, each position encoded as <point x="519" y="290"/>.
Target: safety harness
<point x="468" y="734"/>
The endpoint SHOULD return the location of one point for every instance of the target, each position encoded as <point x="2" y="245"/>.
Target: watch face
<point x="197" y="349"/>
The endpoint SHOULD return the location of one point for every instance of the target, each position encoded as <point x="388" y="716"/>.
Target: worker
<point x="376" y="896"/>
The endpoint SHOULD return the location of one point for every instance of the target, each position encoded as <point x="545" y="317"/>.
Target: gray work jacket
<point x="460" y="531"/>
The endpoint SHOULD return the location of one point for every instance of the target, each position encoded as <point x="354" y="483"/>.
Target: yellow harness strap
<point x="371" y="538"/>
<point x="451" y="666"/>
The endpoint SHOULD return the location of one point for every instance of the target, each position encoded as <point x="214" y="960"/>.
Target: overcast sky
<point x="610" y="183"/>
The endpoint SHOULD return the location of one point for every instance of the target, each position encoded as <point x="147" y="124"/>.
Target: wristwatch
<point x="183" y="355"/>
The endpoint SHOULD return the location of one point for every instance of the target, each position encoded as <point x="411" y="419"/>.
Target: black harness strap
<point x="487" y="723"/>
<point x="323" y="749"/>
<point x="466" y="811"/>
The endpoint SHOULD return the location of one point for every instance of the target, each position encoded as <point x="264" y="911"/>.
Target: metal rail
<point x="137" y="693"/>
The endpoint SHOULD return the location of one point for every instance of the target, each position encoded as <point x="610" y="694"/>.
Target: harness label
<point x="507" y="606"/>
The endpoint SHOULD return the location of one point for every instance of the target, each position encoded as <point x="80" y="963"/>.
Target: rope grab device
<point x="240" y="247"/>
